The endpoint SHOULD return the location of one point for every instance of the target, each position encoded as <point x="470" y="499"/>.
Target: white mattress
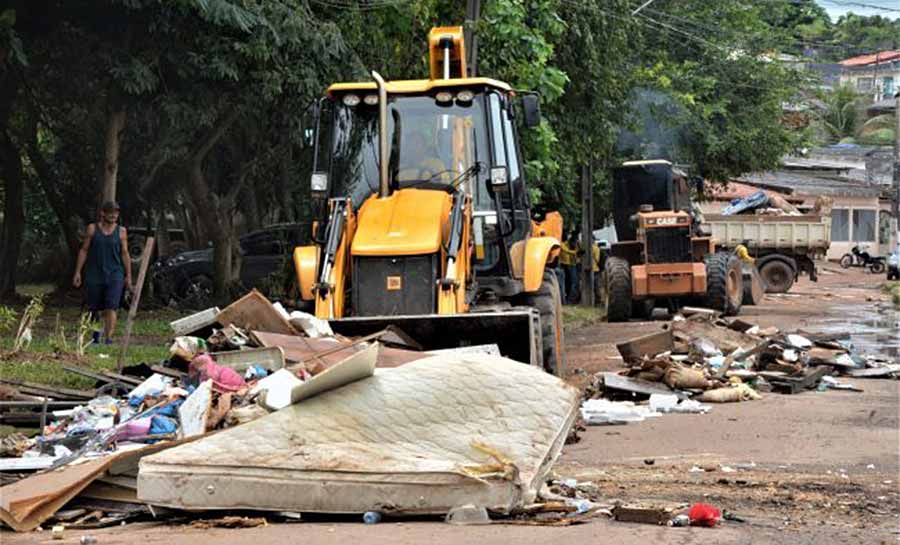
<point x="421" y="438"/>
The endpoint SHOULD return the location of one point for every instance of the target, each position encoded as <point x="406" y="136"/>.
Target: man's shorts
<point x="106" y="295"/>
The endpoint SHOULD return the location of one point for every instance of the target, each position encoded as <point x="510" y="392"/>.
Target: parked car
<point x="893" y="265"/>
<point x="189" y="275"/>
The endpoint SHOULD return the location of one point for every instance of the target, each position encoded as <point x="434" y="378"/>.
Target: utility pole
<point x="895" y="194"/>
<point x="587" y="234"/>
<point x="473" y="12"/>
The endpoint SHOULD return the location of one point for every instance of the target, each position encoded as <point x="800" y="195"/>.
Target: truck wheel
<point x="778" y="276"/>
<point x="724" y="286"/>
<point x="548" y="301"/>
<point x="616" y="294"/>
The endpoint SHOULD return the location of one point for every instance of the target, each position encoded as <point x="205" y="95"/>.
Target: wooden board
<point x="254" y="312"/>
<point x="646" y="345"/>
<point x="613" y="381"/>
<point x="726" y="339"/>
<point x="874" y="372"/>
<point x="304" y="349"/>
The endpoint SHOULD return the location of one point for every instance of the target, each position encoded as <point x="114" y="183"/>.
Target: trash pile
<point x="251" y="390"/>
<point x="703" y="358"/>
<point x="760" y="203"/>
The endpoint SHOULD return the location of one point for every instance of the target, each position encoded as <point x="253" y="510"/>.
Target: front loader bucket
<point x="515" y="332"/>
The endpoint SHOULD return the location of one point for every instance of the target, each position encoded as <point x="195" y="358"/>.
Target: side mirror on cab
<point x="318" y="184"/>
<point x="499" y="179"/>
<point x="531" y="108"/>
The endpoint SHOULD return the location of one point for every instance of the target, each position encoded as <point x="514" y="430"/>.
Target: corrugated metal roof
<point x="800" y="183"/>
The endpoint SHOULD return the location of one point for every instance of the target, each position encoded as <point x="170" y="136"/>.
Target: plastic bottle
<point x="372" y="517"/>
<point x="680" y="520"/>
<point x="88" y="540"/>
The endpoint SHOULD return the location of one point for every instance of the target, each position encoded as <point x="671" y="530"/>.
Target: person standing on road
<point x="108" y="271"/>
<point x="568" y="258"/>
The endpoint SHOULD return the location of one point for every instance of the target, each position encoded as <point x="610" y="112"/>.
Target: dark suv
<point x="188" y="276"/>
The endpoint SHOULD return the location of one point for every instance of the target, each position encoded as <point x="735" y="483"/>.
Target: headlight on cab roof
<point x="351" y="100"/>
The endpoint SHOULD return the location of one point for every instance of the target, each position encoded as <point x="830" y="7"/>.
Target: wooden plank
<point x="134" y="381"/>
<point x="793" y="385"/>
<point x="132" y="310"/>
<point x="168" y="371"/>
<point x="613" y="381"/>
<point x="254" y="312"/>
<point x="328" y="352"/>
<point x="88" y="373"/>
<point x="646" y="345"/>
<point x="51" y="391"/>
<point x="873" y="372"/>
<point x="726" y="339"/>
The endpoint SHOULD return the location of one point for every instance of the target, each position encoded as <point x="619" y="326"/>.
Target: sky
<point x="836" y="8"/>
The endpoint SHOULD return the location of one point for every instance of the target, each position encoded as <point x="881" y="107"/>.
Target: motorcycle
<point x="861" y="258"/>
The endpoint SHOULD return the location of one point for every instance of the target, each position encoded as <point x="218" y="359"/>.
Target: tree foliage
<point x="213" y="94"/>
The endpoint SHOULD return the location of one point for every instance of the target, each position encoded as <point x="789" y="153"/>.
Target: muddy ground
<point x="817" y="467"/>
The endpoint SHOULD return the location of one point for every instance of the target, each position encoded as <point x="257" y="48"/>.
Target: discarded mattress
<point x="419" y="439"/>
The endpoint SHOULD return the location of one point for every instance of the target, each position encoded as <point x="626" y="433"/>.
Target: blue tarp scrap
<point x="757" y="200"/>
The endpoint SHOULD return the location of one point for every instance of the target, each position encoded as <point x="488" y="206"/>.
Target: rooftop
<point x="795" y="183"/>
<point x="871" y="58"/>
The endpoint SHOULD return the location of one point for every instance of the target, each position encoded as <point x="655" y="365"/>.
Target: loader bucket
<point x="515" y="332"/>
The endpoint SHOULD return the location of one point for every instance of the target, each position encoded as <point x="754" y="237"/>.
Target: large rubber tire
<point x="642" y="309"/>
<point x="724" y="283"/>
<point x="616" y="294"/>
<point x="846" y="261"/>
<point x="877" y="267"/>
<point x="778" y="276"/>
<point x="548" y="301"/>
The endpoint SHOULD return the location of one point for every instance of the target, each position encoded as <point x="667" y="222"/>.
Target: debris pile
<point x="253" y="371"/>
<point x="703" y="358"/>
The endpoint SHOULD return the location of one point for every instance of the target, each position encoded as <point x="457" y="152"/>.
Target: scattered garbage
<point x="467" y="515"/>
<point x="597" y="412"/>
<point x="703" y="514"/>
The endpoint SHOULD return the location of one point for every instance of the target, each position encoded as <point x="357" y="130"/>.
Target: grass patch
<point x="577" y="316"/>
<point x="42" y="362"/>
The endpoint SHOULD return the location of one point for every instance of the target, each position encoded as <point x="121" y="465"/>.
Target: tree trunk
<point x="13" y="210"/>
<point x="115" y="124"/>
<point x="13" y="214"/>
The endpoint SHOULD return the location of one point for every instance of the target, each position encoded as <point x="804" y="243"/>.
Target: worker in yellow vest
<point x="568" y="258"/>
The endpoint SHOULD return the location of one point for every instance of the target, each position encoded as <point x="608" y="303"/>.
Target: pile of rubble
<point x="254" y="397"/>
<point x="703" y="358"/>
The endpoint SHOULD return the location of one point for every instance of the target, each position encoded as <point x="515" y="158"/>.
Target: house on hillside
<point x="861" y="213"/>
<point x="876" y="74"/>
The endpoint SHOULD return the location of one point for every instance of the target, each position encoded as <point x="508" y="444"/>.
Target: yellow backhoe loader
<point x="427" y="222"/>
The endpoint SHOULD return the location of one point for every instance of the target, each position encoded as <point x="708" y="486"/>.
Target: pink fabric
<point x="134" y="428"/>
<point x="225" y="379"/>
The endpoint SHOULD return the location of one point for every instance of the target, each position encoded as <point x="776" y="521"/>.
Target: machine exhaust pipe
<point x="384" y="189"/>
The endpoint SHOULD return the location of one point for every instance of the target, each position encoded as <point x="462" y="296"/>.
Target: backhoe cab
<point x="665" y="254"/>
<point x="427" y="222"/>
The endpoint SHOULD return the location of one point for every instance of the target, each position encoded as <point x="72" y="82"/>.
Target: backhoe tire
<point x="548" y="301"/>
<point x="724" y="283"/>
<point x="616" y="294"/>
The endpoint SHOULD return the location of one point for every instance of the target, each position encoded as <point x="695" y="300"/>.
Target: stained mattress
<point x="422" y="438"/>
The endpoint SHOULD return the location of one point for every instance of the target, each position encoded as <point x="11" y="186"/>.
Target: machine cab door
<point x="501" y="214"/>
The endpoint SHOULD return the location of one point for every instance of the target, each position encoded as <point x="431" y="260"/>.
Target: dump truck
<point x="427" y="223"/>
<point x="663" y="254"/>
<point x="782" y="247"/>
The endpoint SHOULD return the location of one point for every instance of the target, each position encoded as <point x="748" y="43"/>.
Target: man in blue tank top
<point x="108" y="271"/>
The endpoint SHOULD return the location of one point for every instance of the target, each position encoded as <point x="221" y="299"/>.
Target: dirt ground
<point x="816" y="467"/>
